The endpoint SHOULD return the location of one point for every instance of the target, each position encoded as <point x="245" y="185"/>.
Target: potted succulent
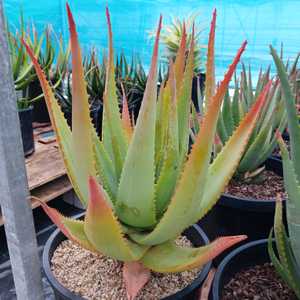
<point x="24" y="75"/>
<point x="130" y="79"/>
<point x="288" y="263"/>
<point x="140" y="186"/>
<point x="25" y="117"/>
<point x="258" y="178"/>
<point x="22" y="70"/>
<point x="247" y="271"/>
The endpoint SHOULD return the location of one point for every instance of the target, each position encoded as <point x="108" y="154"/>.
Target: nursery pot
<point x="95" y="114"/>
<point x="194" y="234"/>
<point x="234" y="216"/>
<point x="198" y="82"/>
<point x="246" y="256"/>
<point x="25" y="116"/>
<point x="40" y="111"/>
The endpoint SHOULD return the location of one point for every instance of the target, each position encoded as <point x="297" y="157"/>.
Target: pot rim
<point x="247" y="203"/>
<point x="67" y="293"/>
<point x="26" y="109"/>
<point x="227" y="260"/>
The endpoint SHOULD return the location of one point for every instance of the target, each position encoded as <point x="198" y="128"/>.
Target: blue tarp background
<point x="260" y="22"/>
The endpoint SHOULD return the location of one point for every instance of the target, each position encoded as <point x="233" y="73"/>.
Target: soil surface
<point x="99" y="277"/>
<point x="257" y="283"/>
<point x="266" y="189"/>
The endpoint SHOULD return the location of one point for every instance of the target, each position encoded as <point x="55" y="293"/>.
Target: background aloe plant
<point x="140" y="185"/>
<point x="288" y="263"/>
<point x="273" y="117"/>
<point x="172" y="34"/>
<point x="262" y="141"/>
<point x="44" y="46"/>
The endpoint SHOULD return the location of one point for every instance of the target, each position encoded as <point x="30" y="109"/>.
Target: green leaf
<point x="169" y="257"/>
<point x="103" y="229"/>
<point x="135" y="204"/>
<point x="225" y="164"/>
<point x="293" y="121"/>
<point x="113" y="135"/>
<point x="286" y="255"/>
<point x="293" y="204"/>
<point x="188" y="194"/>
<point x="170" y="168"/>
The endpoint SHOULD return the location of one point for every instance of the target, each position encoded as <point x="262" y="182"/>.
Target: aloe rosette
<point x="272" y="118"/>
<point x="141" y="186"/>
<point x="288" y="261"/>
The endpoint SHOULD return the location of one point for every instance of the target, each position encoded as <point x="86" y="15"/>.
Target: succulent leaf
<point x="293" y="203"/>
<point x="179" y="64"/>
<point x="184" y="100"/>
<point x="188" y="194"/>
<point x="135" y="276"/>
<point x="170" y="168"/>
<point x="127" y="126"/>
<point x="81" y="121"/>
<point x="72" y="229"/>
<point x="103" y="229"/>
<point x="223" y="167"/>
<point x="210" y="64"/>
<point x="286" y="255"/>
<point x="293" y="121"/>
<point x="105" y="168"/>
<point x="113" y="135"/>
<point x="170" y="258"/>
<point x="62" y="131"/>
<point x="138" y="175"/>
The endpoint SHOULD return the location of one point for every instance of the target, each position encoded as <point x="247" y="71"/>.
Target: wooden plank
<point x="48" y="192"/>
<point x="44" y="165"/>
<point x="46" y="172"/>
<point x="51" y="190"/>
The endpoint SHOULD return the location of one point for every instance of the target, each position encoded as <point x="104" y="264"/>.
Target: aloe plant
<point x="172" y="34"/>
<point x="288" y="263"/>
<point x="140" y="185"/>
<point x="273" y="117"/>
<point x="262" y="141"/>
<point x="44" y="48"/>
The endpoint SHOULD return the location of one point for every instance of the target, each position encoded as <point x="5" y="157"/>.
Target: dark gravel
<point x="260" y="282"/>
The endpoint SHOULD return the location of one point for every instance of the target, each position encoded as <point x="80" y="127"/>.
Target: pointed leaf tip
<point x="72" y="229"/>
<point x="70" y="17"/>
<point x="135" y="276"/>
<point x="108" y="19"/>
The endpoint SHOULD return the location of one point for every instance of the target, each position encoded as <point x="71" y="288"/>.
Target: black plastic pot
<point x="95" y="114"/>
<point x="199" y="79"/>
<point x="234" y="216"/>
<point x="245" y="256"/>
<point x="194" y="234"/>
<point x="25" y="116"/>
<point x="40" y="111"/>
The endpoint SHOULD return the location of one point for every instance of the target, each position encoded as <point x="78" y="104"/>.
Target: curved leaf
<point x="293" y="121"/>
<point x="72" y="229"/>
<point x="81" y="121"/>
<point x="103" y="229"/>
<point x="225" y="164"/>
<point x="188" y="194"/>
<point x="62" y="131"/>
<point x="293" y="204"/>
<point x="170" y="258"/>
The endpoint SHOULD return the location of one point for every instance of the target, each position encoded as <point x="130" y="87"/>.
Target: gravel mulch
<point x="260" y="282"/>
<point x="266" y="189"/>
<point x="99" y="277"/>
